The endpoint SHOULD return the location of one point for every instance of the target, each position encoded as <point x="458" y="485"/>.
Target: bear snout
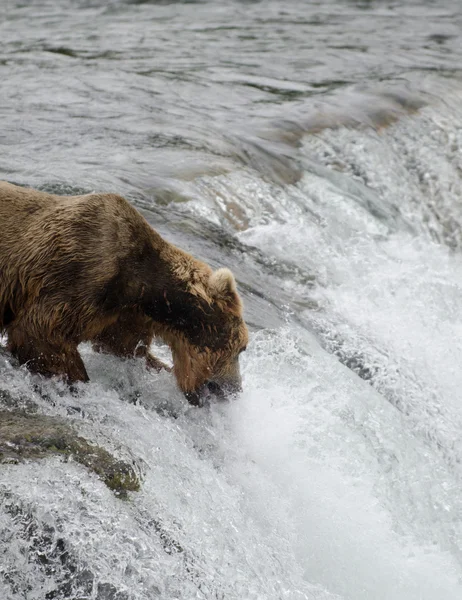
<point x="220" y="391"/>
<point x="224" y="389"/>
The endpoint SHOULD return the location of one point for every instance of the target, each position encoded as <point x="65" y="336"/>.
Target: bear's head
<point x="208" y="336"/>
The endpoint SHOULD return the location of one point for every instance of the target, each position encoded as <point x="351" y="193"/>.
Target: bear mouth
<point x="215" y="389"/>
<point x="212" y="391"/>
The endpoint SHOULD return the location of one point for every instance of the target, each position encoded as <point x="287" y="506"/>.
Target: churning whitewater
<point x="301" y="146"/>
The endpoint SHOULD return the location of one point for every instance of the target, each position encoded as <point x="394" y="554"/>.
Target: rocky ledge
<point x="25" y="436"/>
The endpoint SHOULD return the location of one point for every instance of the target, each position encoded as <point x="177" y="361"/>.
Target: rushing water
<point x="315" y="149"/>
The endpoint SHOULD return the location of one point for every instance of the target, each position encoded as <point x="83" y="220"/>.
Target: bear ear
<point x="222" y="288"/>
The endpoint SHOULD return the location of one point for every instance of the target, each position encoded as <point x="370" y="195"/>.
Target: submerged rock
<point x="25" y="436"/>
<point x="50" y="557"/>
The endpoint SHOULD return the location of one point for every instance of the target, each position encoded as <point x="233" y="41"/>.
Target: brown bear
<point x="91" y="268"/>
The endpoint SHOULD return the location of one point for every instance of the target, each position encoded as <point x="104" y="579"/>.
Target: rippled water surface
<point x="315" y="149"/>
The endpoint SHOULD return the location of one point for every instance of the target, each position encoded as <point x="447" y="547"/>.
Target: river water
<point x="315" y="149"/>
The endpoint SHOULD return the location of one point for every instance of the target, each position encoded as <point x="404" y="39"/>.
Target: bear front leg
<point x="152" y="362"/>
<point x="48" y="359"/>
<point x="130" y="336"/>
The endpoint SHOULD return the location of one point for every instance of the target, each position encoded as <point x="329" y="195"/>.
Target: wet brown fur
<point x="90" y="268"/>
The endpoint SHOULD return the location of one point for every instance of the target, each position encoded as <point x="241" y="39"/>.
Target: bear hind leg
<point x="51" y="360"/>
